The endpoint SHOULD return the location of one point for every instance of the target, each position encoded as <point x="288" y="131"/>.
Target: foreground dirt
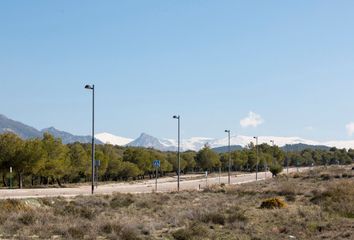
<point x="318" y="204"/>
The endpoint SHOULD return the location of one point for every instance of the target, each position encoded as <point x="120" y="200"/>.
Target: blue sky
<point x="291" y="63"/>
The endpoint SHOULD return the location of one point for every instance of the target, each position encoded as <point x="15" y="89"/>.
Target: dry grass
<point x="320" y="205"/>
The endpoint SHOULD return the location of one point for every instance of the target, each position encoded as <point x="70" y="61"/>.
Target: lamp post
<point x="229" y="149"/>
<point x="93" y="135"/>
<point x="178" y="117"/>
<point x="256" y="157"/>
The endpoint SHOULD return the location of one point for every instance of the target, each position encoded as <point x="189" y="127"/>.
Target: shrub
<point x="13" y="205"/>
<point x="106" y="228"/>
<point x="236" y="214"/>
<point x="72" y="208"/>
<point x="181" y="234"/>
<point x="273" y="203"/>
<point x="337" y="198"/>
<point x="129" y="233"/>
<point x="289" y="190"/>
<point x="27" y="218"/>
<point x="214" y="217"/>
<point x="77" y="232"/>
<point x="121" y="200"/>
<point x="193" y="231"/>
<point x="275" y="169"/>
<point x="325" y="176"/>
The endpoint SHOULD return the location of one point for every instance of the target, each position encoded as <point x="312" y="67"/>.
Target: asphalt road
<point x="168" y="184"/>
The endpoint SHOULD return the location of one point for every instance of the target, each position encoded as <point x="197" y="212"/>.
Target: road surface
<point x="167" y="184"/>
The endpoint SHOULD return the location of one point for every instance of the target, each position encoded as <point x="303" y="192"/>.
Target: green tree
<point x="275" y="169"/>
<point x="10" y="147"/>
<point x="207" y="159"/>
<point x="56" y="159"/>
<point x="129" y="169"/>
<point x="189" y="159"/>
<point x="80" y="163"/>
<point x="30" y="159"/>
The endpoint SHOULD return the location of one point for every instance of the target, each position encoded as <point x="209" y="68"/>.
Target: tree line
<point x="48" y="161"/>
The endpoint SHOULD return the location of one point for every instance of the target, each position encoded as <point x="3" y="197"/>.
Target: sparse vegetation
<point x="319" y="208"/>
<point x="273" y="203"/>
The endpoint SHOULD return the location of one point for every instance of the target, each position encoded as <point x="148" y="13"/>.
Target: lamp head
<point x="88" y="87"/>
<point x="176" y="117"/>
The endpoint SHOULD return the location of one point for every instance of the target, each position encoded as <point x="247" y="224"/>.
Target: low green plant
<point x="275" y="169"/>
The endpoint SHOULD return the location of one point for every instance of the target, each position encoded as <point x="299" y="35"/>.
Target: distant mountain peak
<point x="112" y="139"/>
<point x="50" y="129"/>
<point x="146" y="135"/>
<point x="148" y="141"/>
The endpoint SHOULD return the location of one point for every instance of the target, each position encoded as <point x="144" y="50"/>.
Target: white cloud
<point x="350" y="128"/>
<point x="252" y="120"/>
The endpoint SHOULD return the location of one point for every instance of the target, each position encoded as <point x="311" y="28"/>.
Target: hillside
<point x="26" y="132"/>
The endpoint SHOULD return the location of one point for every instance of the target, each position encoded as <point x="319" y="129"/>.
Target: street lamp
<point x="93" y="134"/>
<point x="178" y="117"/>
<point x="256" y="157"/>
<point x="229" y="174"/>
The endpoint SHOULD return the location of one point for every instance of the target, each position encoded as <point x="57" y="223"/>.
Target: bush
<point x="13" y="205"/>
<point x="27" y="218"/>
<point x="337" y="198"/>
<point x="195" y="230"/>
<point x="181" y="234"/>
<point x="325" y="176"/>
<point x="273" y="203"/>
<point x="236" y="214"/>
<point x="214" y="217"/>
<point x="121" y="200"/>
<point x="77" y="232"/>
<point x="129" y="233"/>
<point x="276" y="169"/>
<point x="72" y="208"/>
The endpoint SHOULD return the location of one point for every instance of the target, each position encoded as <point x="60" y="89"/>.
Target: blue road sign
<point x="156" y="163"/>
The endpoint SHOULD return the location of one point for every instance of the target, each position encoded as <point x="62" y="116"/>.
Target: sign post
<point x="156" y="164"/>
<point x="97" y="165"/>
<point x="10" y="177"/>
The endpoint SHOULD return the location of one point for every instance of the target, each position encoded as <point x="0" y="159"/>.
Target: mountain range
<point x="26" y="132"/>
<point x="149" y="141"/>
<point x="237" y="142"/>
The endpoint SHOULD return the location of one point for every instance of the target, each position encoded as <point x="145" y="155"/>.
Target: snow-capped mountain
<point x="148" y="141"/>
<point x="108" y="138"/>
<point x="245" y="140"/>
<point x="196" y="143"/>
